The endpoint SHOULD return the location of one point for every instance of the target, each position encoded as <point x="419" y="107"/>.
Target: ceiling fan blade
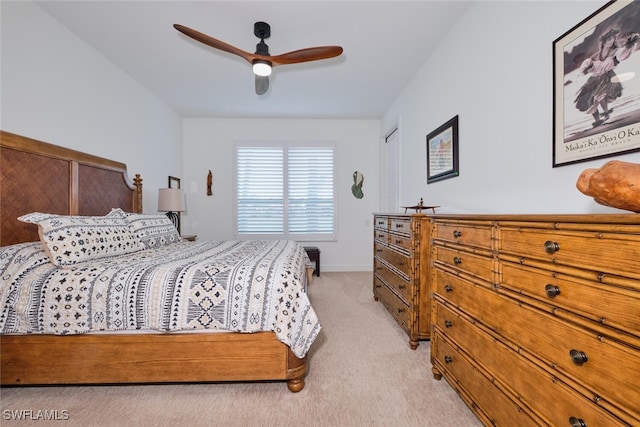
<point x="305" y="55"/>
<point x="215" y="43"/>
<point x="262" y="84"/>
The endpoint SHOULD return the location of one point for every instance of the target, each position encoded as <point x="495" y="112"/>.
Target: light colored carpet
<point x="362" y="373"/>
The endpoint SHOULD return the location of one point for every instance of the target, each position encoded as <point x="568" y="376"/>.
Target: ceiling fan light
<point x="262" y="68"/>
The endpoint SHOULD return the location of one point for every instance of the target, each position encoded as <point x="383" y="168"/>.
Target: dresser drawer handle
<point x="551" y="247"/>
<point x="457" y="233"/>
<point x="578" y="357"/>
<point x="402" y="287"/>
<point x="381" y="235"/>
<point x="552" y="290"/>
<point x="577" y="422"/>
<point x="398" y="241"/>
<point x="399" y="225"/>
<point x="457" y="260"/>
<point x="402" y="310"/>
<point x="448" y="359"/>
<point x="448" y="288"/>
<point x="448" y="323"/>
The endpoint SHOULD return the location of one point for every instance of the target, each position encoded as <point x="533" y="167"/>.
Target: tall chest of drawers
<point x="401" y="271"/>
<point x="536" y="318"/>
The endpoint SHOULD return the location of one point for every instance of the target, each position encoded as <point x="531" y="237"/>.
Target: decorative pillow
<point x="154" y="231"/>
<point x="69" y="240"/>
<point x="15" y="259"/>
<point x="117" y="213"/>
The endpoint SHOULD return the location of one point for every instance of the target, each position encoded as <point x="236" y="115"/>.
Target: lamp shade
<point x="171" y="200"/>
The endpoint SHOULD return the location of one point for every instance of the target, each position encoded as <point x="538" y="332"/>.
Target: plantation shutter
<point x="260" y="193"/>
<point x="310" y="195"/>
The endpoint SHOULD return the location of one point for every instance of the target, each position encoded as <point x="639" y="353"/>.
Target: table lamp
<point x="171" y="201"/>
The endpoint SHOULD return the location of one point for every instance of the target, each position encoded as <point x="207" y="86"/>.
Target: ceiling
<point x="385" y="43"/>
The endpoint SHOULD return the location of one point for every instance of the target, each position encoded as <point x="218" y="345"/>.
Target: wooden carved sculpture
<point x="615" y="184"/>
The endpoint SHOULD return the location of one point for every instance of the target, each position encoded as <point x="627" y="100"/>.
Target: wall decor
<point x="209" y="183"/>
<point x="356" y="188"/>
<point x="174" y="182"/>
<point x="442" y="152"/>
<point x="596" y="86"/>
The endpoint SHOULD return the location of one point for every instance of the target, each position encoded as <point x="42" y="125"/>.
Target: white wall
<point x="208" y="145"/>
<point x="494" y="70"/>
<point x="57" y="89"/>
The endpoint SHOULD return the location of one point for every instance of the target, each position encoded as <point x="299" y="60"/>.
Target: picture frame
<point x="596" y="86"/>
<point x="442" y="152"/>
<point x="174" y="182"/>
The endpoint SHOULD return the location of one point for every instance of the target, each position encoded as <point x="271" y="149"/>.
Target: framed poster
<point x="442" y="152"/>
<point x="596" y="86"/>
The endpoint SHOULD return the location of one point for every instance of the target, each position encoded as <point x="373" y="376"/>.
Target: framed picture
<point x="174" y="182"/>
<point x="442" y="152"/>
<point x="596" y="86"/>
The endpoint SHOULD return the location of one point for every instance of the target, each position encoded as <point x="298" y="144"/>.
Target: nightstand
<point x="314" y="256"/>
<point x="190" y="237"/>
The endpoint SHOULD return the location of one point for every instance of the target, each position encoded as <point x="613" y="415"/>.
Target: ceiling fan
<point x="262" y="61"/>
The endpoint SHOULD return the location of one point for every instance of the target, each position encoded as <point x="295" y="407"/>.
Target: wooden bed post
<point x="137" y="195"/>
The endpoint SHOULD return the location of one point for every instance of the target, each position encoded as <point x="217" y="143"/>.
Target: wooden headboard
<point x="36" y="176"/>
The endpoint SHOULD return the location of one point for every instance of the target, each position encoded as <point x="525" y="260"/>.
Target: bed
<point x="38" y="177"/>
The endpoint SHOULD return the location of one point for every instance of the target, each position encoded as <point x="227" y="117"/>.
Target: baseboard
<point x="327" y="268"/>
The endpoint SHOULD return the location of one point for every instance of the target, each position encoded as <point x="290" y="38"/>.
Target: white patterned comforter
<point x="240" y="286"/>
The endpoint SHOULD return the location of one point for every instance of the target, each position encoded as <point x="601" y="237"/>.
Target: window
<point x="285" y="191"/>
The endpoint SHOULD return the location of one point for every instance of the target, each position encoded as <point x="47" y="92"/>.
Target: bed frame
<point x="39" y="177"/>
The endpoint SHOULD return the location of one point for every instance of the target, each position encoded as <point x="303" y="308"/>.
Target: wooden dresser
<point x="401" y="271"/>
<point x="536" y="318"/>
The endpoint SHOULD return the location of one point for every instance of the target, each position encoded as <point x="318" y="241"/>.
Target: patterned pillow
<point x="117" y="213"/>
<point x="153" y="230"/>
<point x="15" y="259"/>
<point x="69" y="240"/>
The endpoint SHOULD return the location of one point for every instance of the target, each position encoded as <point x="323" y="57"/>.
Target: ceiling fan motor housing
<point x="262" y="30"/>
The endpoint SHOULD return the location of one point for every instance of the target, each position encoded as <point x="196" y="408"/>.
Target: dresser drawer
<point x="464" y="234"/>
<point x="400" y="261"/>
<point x="622" y="308"/>
<point x="460" y="371"/>
<point x="394" y="305"/>
<point x="457" y="290"/>
<point x="400" y="284"/>
<point x="381" y="235"/>
<point x="400" y="225"/>
<point x="611" y="369"/>
<point x="382" y="222"/>
<point x="601" y="252"/>
<point x="553" y="400"/>
<point x="401" y="242"/>
<point x="474" y="264"/>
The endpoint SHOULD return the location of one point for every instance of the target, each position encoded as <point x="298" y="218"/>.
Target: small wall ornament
<point x="356" y="188"/>
<point x="209" y="183"/>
